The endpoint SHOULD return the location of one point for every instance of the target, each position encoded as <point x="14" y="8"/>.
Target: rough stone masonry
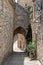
<point x="6" y="30"/>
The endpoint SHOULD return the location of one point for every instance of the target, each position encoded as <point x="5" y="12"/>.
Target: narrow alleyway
<point x="19" y="43"/>
<point x="20" y="59"/>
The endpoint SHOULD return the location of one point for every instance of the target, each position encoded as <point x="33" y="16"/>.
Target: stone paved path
<point x="20" y="59"/>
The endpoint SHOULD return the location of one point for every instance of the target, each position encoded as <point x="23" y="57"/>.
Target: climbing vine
<point x="30" y="10"/>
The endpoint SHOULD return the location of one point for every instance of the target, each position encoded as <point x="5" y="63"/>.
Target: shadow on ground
<point x="16" y="58"/>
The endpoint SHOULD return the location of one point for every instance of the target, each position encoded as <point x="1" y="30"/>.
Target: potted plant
<point x="31" y="49"/>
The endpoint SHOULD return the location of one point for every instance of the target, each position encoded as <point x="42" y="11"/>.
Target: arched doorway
<point x="19" y="44"/>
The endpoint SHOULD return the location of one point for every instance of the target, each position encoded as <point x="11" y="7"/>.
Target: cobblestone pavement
<point x="20" y="59"/>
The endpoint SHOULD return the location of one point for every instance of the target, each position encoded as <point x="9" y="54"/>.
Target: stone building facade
<point x="40" y="33"/>
<point x="7" y="27"/>
<point x="37" y="28"/>
<point x="21" y="18"/>
<point x="25" y="3"/>
<point x="20" y="26"/>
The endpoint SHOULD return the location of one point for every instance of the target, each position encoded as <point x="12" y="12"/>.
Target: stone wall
<point x="40" y="41"/>
<point x="37" y="30"/>
<point x="21" y="18"/>
<point x="6" y="28"/>
<point x="25" y="2"/>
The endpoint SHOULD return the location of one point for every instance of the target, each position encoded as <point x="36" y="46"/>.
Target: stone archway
<point x="19" y="44"/>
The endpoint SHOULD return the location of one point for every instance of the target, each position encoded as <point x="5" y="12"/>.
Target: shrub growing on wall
<point x="31" y="46"/>
<point x="31" y="49"/>
<point x="30" y="10"/>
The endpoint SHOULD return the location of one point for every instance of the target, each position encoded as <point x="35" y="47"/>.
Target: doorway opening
<point x="19" y="44"/>
<point x="29" y="33"/>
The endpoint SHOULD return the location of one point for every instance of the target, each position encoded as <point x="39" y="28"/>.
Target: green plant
<point x="30" y="10"/>
<point x="31" y="47"/>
